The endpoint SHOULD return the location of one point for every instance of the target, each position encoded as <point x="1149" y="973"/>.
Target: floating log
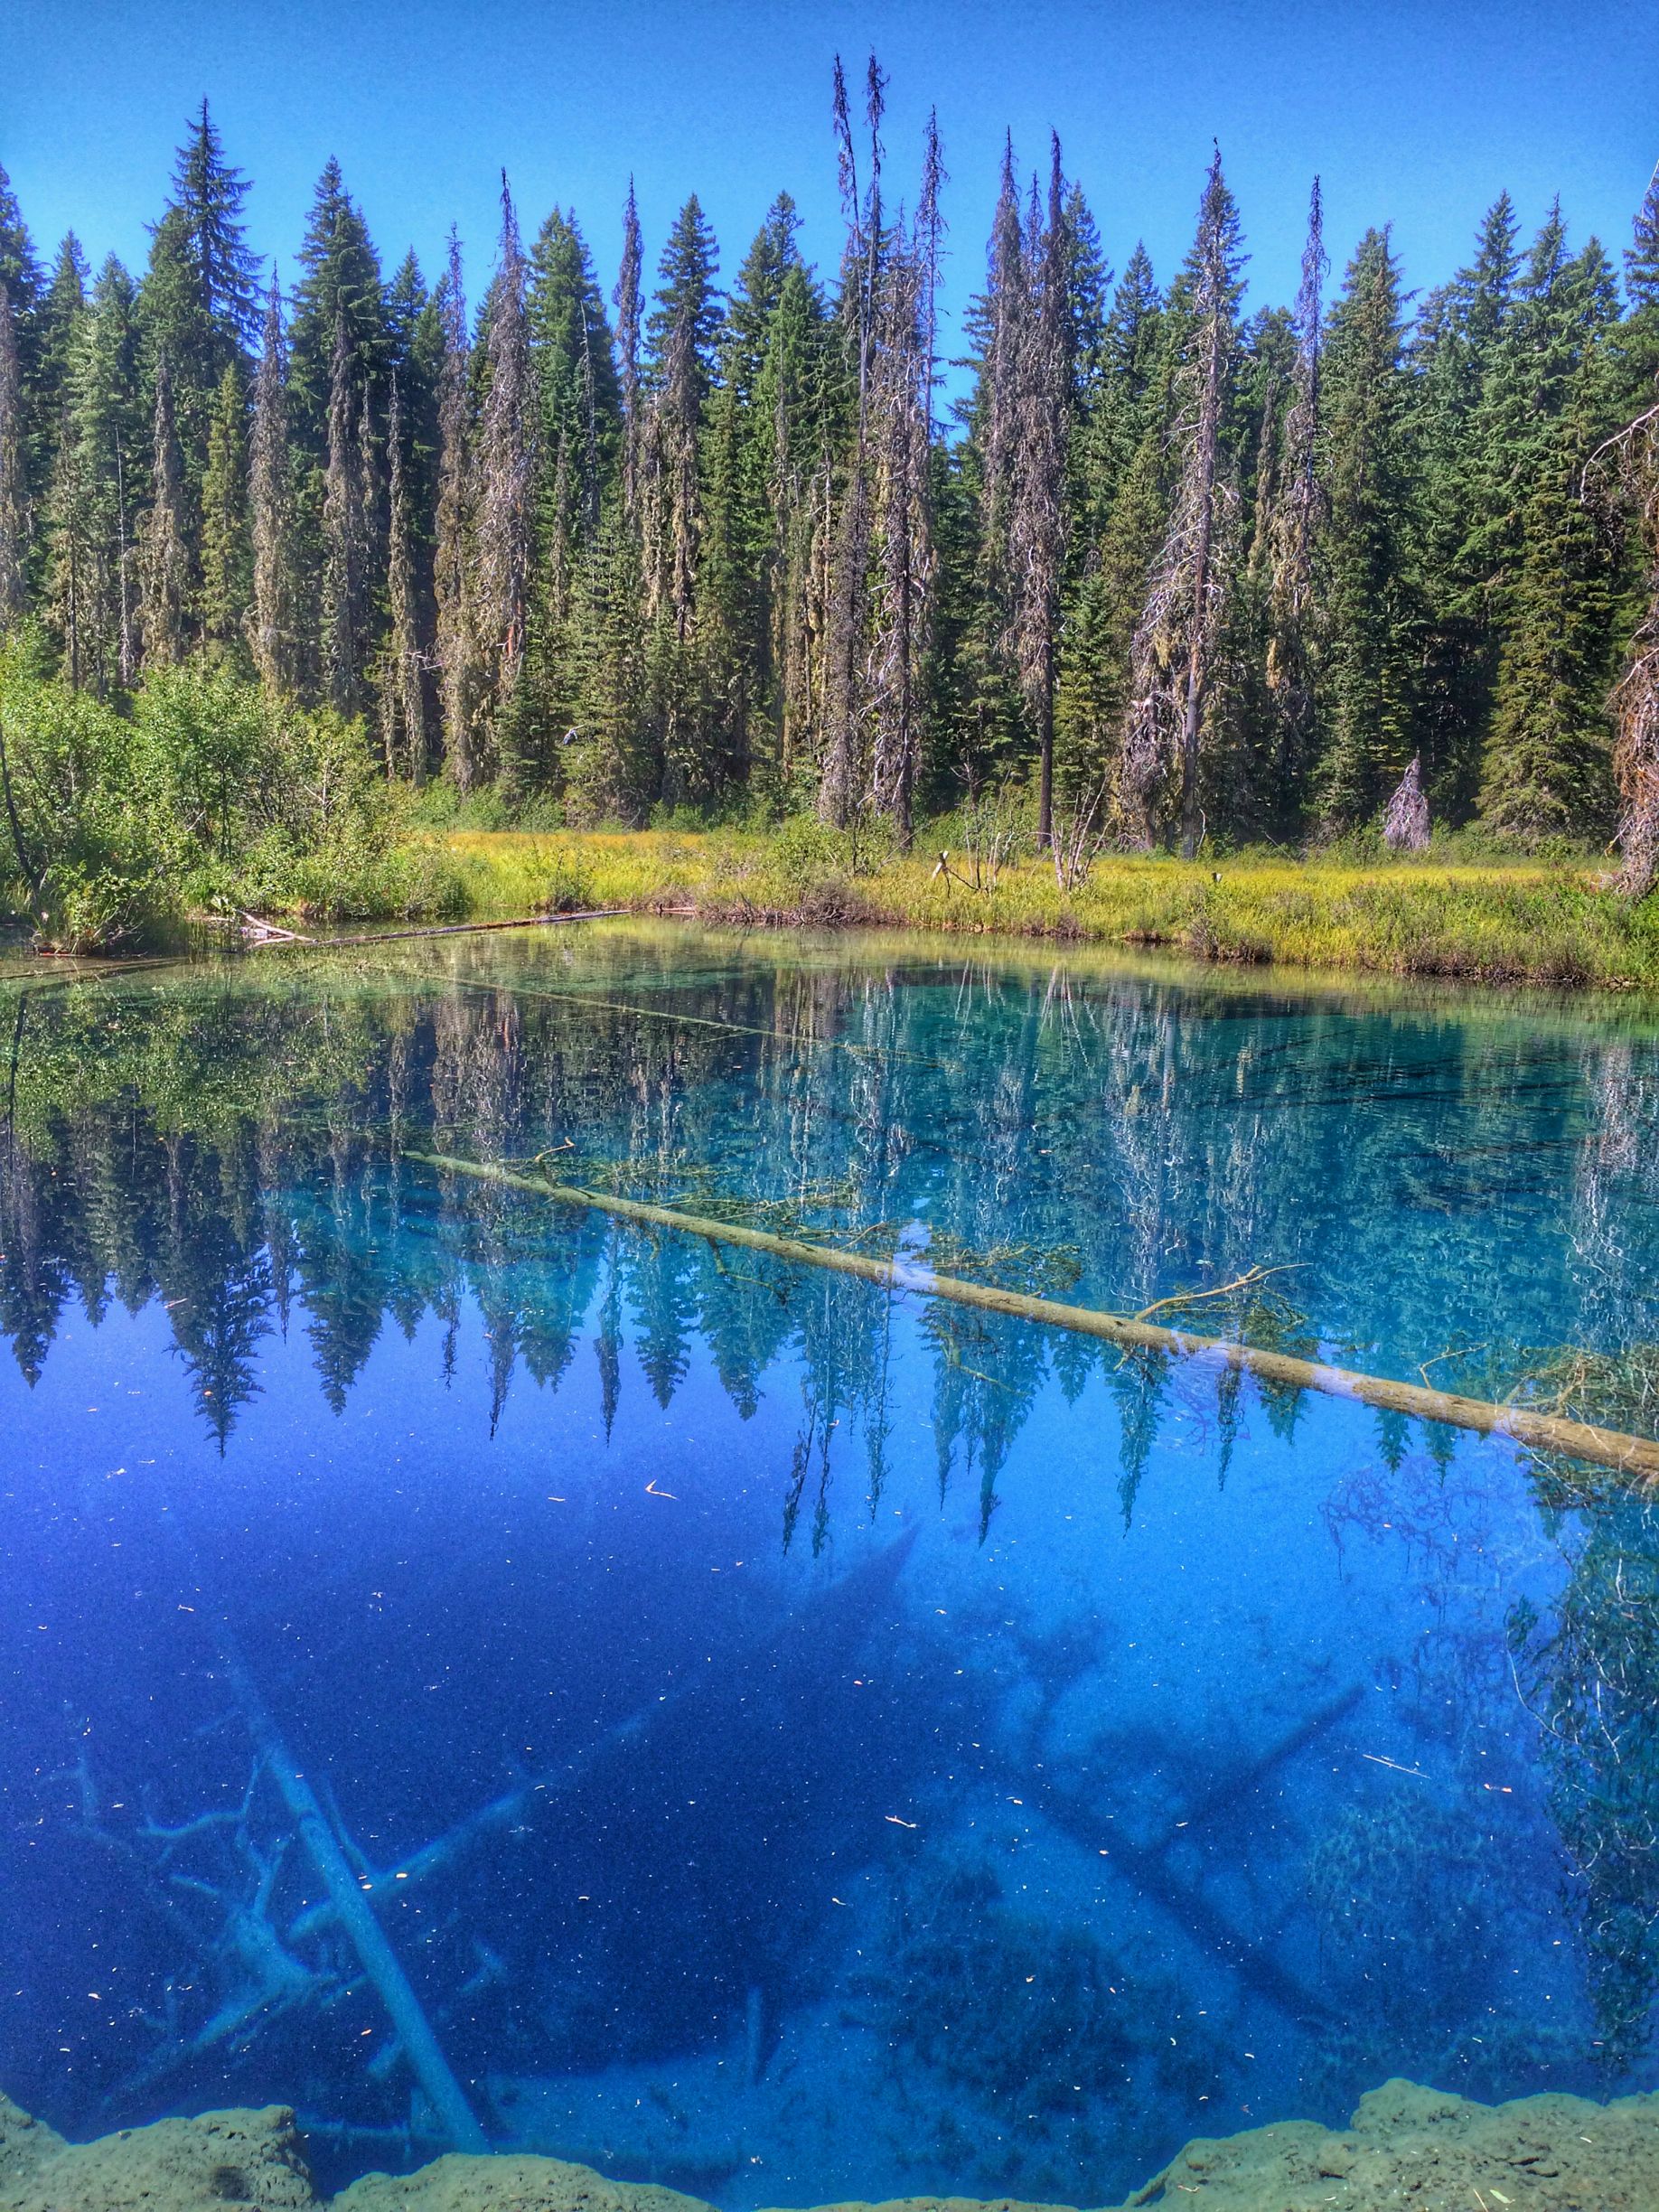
<point x="1634" y="1456"/>
<point x="438" y="929"/>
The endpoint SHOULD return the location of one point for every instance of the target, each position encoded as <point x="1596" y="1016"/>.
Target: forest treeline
<point x="1170" y="569"/>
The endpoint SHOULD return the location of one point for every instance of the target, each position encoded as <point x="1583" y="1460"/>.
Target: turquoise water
<point x="778" y="1739"/>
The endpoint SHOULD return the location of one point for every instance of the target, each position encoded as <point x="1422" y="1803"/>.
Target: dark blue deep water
<point x="770" y="1737"/>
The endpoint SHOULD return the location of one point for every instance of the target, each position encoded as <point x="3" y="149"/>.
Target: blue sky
<point x="1413" y="112"/>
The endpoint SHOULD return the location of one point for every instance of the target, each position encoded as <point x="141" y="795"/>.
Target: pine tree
<point x="14" y="468"/>
<point x="1186" y="609"/>
<point x="227" y="554"/>
<point x="166" y="557"/>
<point x="270" y="493"/>
<point x="1371" y="604"/>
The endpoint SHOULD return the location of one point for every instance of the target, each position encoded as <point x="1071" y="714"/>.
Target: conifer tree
<point x="340" y="294"/>
<point x="271" y="510"/>
<point x="1371" y="606"/>
<point x="1639" y="340"/>
<point x="199" y="298"/>
<point x="1460" y="329"/>
<point x="629" y="302"/>
<point x="403" y="696"/>
<point x="227" y="554"/>
<point x="107" y="425"/>
<point x="504" y="462"/>
<point x="71" y="572"/>
<point x="1547" y="761"/>
<point x="452" y="553"/>
<point x="14" y="468"/>
<point x="1044" y="369"/>
<point x="902" y="440"/>
<point x="1636" y="697"/>
<point x="848" y="593"/>
<point x="1292" y="534"/>
<point x="342" y="537"/>
<point x="166" y="558"/>
<point x="1183" y="621"/>
<point x="57" y="326"/>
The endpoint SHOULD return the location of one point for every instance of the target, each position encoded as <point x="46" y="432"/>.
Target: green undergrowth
<point x="1556" y="922"/>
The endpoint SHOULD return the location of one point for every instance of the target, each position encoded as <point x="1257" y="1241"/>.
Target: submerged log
<point x="316" y="1832"/>
<point x="1634" y="1456"/>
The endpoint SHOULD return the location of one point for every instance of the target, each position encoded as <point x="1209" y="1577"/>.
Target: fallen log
<point x="438" y="929"/>
<point x="432" y="2069"/>
<point x="1634" y="1456"/>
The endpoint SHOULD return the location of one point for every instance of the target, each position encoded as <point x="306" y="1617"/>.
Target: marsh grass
<point x="1553" y="922"/>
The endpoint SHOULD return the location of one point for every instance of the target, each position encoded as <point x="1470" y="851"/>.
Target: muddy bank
<point x="1407" y="2149"/>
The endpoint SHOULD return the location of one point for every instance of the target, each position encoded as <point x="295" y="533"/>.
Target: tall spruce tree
<point x="199" y="299"/>
<point x="1370" y="605"/>
<point x="1547" y="770"/>
<point x="1182" y="624"/>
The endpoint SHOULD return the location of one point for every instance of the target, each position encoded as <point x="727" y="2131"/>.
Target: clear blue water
<point x="795" y="1742"/>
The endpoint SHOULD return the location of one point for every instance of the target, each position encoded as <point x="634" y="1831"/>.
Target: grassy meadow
<point x="1552" y="922"/>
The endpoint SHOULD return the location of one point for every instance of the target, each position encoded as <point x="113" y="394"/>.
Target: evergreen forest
<point x="710" y="541"/>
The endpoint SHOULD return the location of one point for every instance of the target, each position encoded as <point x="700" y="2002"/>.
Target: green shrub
<point x="87" y="836"/>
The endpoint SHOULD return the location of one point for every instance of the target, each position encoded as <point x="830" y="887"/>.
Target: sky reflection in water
<point x="831" y="1745"/>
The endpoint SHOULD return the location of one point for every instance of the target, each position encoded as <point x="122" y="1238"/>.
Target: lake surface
<point x="475" y="1668"/>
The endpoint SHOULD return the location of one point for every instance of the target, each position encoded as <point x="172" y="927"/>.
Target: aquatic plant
<point x="1589" y="1674"/>
<point x="1031" y="2017"/>
<point x="1401" y="1892"/>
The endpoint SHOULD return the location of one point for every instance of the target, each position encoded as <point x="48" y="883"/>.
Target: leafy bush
<point x="89" y="839"/>
<point x="205" y="796"/>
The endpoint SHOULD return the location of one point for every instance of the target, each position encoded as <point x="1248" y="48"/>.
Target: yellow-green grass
<point x="1557" y="923"/>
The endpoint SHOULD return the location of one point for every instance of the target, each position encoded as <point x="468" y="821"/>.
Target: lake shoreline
<point x="1555" y="926"/>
